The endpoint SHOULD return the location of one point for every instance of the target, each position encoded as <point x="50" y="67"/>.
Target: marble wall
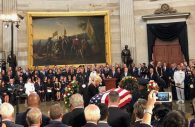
<point x="24" y="6"/>
<point x="147" y="7"/>
<point x="130" y="30"/>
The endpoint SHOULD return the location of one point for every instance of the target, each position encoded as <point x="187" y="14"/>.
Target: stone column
<point x="9" y="7"/>
<point x="127" y="26"/>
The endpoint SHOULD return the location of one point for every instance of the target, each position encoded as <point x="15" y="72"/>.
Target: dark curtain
<point x="168" y="32"/>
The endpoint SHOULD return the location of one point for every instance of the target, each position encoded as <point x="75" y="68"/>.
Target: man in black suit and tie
<point x="33" y="100"/>
<point x="76" y="117"/>
<point x="92" y="115"/>
<point x="117" y="117"/>
<point x="7" y="114"/>
<point x="104" y="115"/>
<point x="11" y="87"/>
<point x="55" y="114"/>
<point x="165" y="73"/>
<point x="112" y="73"/>
<point x="152" y="75"/>
<point x="134" y="71"/>
<point x="125" y="73"/>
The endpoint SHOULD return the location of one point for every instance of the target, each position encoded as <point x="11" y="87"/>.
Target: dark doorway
<point x="168" y="42"/>
<point x="167" y="51"/>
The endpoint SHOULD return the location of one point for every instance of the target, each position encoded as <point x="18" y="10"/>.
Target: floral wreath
<point x="129" y="83"/>
<point x="71" y="88"/>
<point x="152" y="85"/>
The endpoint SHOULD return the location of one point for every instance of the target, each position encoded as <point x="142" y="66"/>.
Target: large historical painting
<point x="57" y="39"/>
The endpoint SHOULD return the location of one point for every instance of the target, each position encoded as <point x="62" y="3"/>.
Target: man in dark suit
<point x="125" y="73"/>
<point x="92" y="115"/>
<point x="152" y="75"/>
<point x="7" y="114"/>
<point x="134" y="71"/>
<point x="165" y="73"/>
<point x="76" y="117"/>
<point x="81" y="76"/>
<point x="117" y="117"/>
<point x="56" y="112"/>
<point x="33" y="100"/>
<point x="112" y="73"/>
<point x="151" y="64"/>
<point x="11" y="87"/>
<point x="104" y="115"/>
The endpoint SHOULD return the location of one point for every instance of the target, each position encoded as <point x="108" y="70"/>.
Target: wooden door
<point x="167" y="51"/>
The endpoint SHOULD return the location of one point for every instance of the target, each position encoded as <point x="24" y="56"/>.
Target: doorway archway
<point x="167" y="51"/>
<point x="168" y="32"/>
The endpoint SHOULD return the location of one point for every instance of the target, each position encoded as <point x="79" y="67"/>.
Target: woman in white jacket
<point x="29" y="87"/>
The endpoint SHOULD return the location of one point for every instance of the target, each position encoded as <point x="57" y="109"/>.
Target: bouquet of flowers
<point x="70" y="89"/>
<point x="129" y="83"/>
<point x="152" y="85"/>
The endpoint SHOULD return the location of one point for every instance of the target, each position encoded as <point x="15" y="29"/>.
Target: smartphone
<point x="164" y="97"/>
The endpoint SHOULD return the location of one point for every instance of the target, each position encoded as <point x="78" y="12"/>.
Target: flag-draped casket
<point x="125" y="97"/>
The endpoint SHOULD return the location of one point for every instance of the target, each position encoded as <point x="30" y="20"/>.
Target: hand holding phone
<point x="164" y="97"/>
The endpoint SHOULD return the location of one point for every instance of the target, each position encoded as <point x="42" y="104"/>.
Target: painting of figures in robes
<point x="66" y="40"/>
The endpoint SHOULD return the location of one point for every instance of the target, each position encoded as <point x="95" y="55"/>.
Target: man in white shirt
<point x="179" y="77"/>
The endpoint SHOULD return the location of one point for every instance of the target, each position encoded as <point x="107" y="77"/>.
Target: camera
<point x="164" y="97"/>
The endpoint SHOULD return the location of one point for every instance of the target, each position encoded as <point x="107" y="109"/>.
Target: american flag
<point x="125" y="97"/>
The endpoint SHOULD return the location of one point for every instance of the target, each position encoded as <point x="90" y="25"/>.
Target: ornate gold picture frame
<point x="67" y="38"/>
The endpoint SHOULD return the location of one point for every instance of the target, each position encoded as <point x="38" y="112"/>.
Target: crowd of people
<point x="92" y="115"/>
<point x="48" y="84"/>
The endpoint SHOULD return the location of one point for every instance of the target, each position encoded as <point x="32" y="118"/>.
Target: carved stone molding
<point x="165" y="9"/>
<point x="166" y="12"/>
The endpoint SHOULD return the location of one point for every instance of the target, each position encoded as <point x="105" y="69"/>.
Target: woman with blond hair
<point x="93" y="87"/>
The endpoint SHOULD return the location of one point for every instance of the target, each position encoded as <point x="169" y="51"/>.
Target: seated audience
<point x="103" y="116"/>
<point x="33" y="117"/>
<point x="55" y="114"/>
<point x="92" y="115"/>
<point x="33" y="101"/>
<point x="75" y="117"/>
<point x="117" y="117"/>
<point x="7" y="114"/>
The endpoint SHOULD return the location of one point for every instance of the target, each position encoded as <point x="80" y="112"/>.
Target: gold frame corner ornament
<point x="106" y="15"/>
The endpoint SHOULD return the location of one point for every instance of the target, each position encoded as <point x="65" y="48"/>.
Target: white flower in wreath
<point x="83" y="86"/>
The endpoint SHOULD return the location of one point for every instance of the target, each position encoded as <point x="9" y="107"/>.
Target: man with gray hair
<point x="92" y="115"/>
<point x="7" y="113"/>
<point x="76" y="117"/>
<point x="55" y="114"/>
<point x="34" y="117"/>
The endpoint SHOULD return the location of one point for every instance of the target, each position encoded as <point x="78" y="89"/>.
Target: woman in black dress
<point x="93" y="87"/>
<point x="57" y="88"/>
<point x="3" y="92"/>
